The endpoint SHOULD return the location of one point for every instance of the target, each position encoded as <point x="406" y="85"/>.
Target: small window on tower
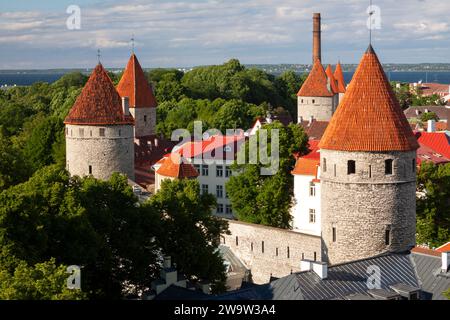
<point x="237" y="241"/>
<point x="313" y="101"/>
<point x="388" y="166"/>
<point x="351" y="167"/>
<point x="413" y="165"/>
<point x="262" y="246"/>
<point x="120" y="132"/>
<point x="387" y="236"/>
<point x="81" y="132"/>
<point x="102" y="132"/>
<point x="324" y="165"/>
<point x="145" y="118"/>
<point x="90" y="169"/>
<point x="334" y="234"/>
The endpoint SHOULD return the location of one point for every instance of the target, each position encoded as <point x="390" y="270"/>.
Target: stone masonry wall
<point x="107" y="154"/>
<point x="322" y="109"/>
<point x="363" y="206"/>
<point x="283" y="249"/>
<point x="144" y="128"/>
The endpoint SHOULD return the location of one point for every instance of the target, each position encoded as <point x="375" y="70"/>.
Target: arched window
<point x="351" y="167"/>
<point x="388" y="166"/>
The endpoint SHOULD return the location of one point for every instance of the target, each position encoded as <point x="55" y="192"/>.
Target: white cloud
<point x="193" y="32"/>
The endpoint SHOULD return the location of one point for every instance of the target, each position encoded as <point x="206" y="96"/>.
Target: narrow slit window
<point x="351" y="167"/>
<point x="387" y="236"/>
<point x="413" y="165"/>
<point x="324" y="165"/>
<point x="288" y="253"/>
<point x="388" y="166"/>
<point x="237" y="241"/>
<point x="262" y="246"/>
<point x="334" y="234"/>
<point x="90" y="169"/>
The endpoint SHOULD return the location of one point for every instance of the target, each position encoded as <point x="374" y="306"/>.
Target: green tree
<point x="94" y="224"/>
<point x="189" y="233"/>
<point x="424" y="117"/>
<point x="13" y="168"/>
<point x="433" y="204"/>
<point x="43" y="142"/>
<point x="267" y="199"/>
<point x="42" y="281"/>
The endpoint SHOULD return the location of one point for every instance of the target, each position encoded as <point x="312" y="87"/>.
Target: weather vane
<point x="98" y="55"/>
<point x="132" y="43"/>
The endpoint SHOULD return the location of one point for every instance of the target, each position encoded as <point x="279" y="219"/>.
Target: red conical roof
<point x="369" y="118"/>
<point x="135" y="86"/>
<point x="333" y="82"/>
<point x="316" y="85"/>
<point x="339" y="76"/>
<point x="99" y="102"/>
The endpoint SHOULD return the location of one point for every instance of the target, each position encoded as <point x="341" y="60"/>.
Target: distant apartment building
<point x="211" y="160"/>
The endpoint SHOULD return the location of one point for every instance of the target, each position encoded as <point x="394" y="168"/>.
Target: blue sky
<point x="176" y="33"/>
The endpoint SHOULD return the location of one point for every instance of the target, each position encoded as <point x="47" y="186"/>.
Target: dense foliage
<point x="433" y="204"/>
<point x="52" y="220"/>
<point x="267" y="199"/>
<point x="224" y="97"/>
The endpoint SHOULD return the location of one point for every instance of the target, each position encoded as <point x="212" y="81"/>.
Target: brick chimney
<point x="317" y="45"/>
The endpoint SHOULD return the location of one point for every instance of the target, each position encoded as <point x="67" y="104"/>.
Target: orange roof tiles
<point x="176" y="167"/>
<point x="99" y="103"/>
<point x="426" y="251"/>
<point x="333" y="82"/>
<point x="439" y="142"/>
<point x="308" y="164"/>
<point x="444" y="248"/>
<point x="135" y="86"/>
<point x="316" y="85"/>
<point x="339" y="76"/>
<point x="369" y="118"/>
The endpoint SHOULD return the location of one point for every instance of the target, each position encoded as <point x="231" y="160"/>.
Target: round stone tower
<point x="316" y="98"/>
<point x="135" y="86"/>
<point x="99" y="131"/>
<point x="368" y="171"/>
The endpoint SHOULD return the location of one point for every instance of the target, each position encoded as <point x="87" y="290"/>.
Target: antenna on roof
<point x="132" y="43"/>
<point x="98" y="55"/>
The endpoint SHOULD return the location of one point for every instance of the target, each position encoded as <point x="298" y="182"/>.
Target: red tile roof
<point x="308" y="164"/>
<point x="135" y="86"/>
<point x="210" y="148"/>
<point x="369" y="118"/>
<point x="99" y="103"/>
<point x="437" y="141"/>
<point x="444" y="248"/>
<point x="339" y="76"/>
<point x="426" y="251"/>
<point x="425" y="153"/>
<point x="176" y="167"/>
<point x="333" y="82"/>
<point x="316" y="85"/>
<point x="314" y="129"/>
